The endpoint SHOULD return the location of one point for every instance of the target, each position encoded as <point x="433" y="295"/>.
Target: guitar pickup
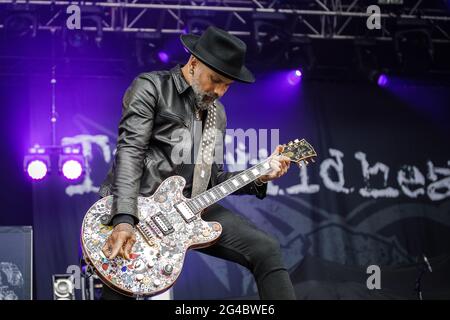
<point x="162" y="223"/>
<point x="185" y="212"/>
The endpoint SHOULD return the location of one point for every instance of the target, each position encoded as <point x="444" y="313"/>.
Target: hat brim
<point x="189" y="40"/>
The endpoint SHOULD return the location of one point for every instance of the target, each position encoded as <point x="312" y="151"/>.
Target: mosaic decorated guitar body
<point x="158" y="254"/>
<point x="169" y="225"/>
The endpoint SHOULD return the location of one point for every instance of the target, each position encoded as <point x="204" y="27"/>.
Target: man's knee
<point x="266" y="256"/>
<point x="266" y="247"/>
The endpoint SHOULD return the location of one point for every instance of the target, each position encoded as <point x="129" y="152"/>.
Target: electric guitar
<point x="169" y="225"/>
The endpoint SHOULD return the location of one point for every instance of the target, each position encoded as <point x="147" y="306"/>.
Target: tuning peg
<point x="312" y="160"/>
<point x="299" y="164"/>
<point x="306" y="162"/>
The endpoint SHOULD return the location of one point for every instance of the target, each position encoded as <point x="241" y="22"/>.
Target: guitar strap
<point x="205" y="156"/>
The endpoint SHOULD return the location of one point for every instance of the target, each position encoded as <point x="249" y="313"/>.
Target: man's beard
<point x="203" y="99"/>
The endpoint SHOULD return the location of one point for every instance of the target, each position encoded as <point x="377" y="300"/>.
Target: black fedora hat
<point x="220" y="51"/>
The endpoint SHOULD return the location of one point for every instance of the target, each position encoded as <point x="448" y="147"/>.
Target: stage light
<point x="163" y="57"/>
<point x="382" y="80"/>
<point x="37" y="169"/>
<point x="71" y="162"/>
<point x="147" y="48"/>
<point x="300" y="53"/>
<point x="36" y="163"/>
<point x="197" y="25"/>
<point x="77" y="38"/>
<point x="271" y="36"/>
<point x="21" y="20"/>
<point x="414" y="46"/>
<point x="72" y="169"/>
<point x="63" y="287"/>
<point x="294" y="77"/>
<point x="91" y="19"/>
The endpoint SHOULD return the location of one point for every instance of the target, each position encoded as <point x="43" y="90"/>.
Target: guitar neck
<point x="222" y="190"/>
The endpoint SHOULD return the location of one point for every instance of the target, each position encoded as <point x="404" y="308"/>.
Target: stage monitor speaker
<point x="63" y="287"/>
<point x="16" y="263"/>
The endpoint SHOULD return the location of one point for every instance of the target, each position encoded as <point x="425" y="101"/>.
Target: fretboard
<point x="220" y="191"/>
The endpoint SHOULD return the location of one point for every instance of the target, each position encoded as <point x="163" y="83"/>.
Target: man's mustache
<point x="211" y="96"/>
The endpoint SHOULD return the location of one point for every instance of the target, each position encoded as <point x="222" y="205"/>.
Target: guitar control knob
<point x="156" y="282"/>
<point x="139" y="277"/>
<point x="168" y="268"/>
<point x="139" y="266"/>
<point x="104" y="219"/>
<point x="150" y="264"/>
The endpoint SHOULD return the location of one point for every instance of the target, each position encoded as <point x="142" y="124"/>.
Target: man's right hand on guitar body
<point x="120" y="241"/>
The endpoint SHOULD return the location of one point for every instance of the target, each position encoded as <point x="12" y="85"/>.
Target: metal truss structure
<point x="317" y="19"/>
<point x="413" y="34"/>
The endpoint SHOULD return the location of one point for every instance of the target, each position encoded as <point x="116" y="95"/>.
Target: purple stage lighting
<point x="294" y="77"/>
<point x="163" y="56"/>
<point x="382" y="80"/>
<point x="37" y="162"/>
<point x="72" y="169"/>
<point x="37" y="169"/>
<point x="71" y="162"/>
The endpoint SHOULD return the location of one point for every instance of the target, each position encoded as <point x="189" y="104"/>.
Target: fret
<point x="208" y="199"/>
<point x="196" y="205"/>
<point x="190" y="205"/>
<point x="263" y="167"/>
<point x="218" y="194"/>
<point x="204" y="200"/>
<point x="218" y="191"/>
<point x="213" y="194"/>
<point x="227" y="187"/>
<point x="266" y="165"/>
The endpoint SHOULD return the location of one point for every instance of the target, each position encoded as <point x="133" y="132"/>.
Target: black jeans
<point x="243" y="243"/>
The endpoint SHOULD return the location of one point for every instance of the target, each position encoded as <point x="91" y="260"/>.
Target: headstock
<point x="299" y="151"/>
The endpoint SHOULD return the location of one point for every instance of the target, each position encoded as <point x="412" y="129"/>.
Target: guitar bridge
<point x="146" y="233"/>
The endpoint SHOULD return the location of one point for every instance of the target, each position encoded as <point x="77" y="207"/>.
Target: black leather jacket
<point x="154" y="105"/>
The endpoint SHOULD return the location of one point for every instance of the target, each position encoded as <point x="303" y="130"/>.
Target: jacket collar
<point x="179" y="80"/>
